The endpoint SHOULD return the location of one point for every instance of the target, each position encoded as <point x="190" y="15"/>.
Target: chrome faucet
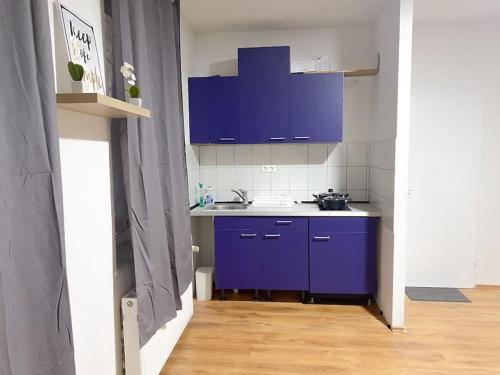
<point x="243" y="194"/>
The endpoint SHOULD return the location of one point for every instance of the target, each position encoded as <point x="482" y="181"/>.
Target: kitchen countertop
<point x="300" y="209"/>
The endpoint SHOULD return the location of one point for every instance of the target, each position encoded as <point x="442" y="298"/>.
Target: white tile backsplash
<point x="357" y="154"/>
<point x="301" y="169"/>
<point x="243" y="178"/>
<point x="299" y="154"/>
<point x="225" y="178"/>
<point x="298" y="178"/>
<point x="225" y="155"/>
<point x="281" y="192"/>
<point x="261" y="180"/>
<point x="337" y="155"/>
<point x="358" y="195"/>
<point x="318" y="154"/>
<point x="382" y="182"/>
<point x="208" y="176"/>
<point x="226" y="196"/>
<point x="280" y="180"/>
<point x="261" y="154"/>
<point x="317" y="179"/>
<point x="243" y="155"/>
<point x="381" y="154"/>
<point x="357" y="178"/>
<point x="337" y="179"/>
<point x="257" y="193"/>
<point x="208" y="156"/>
<point x="300" y="195"/>
<point x="280" y="154"/>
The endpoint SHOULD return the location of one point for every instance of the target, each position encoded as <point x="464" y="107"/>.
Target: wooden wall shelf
<point x="100" y="105"/>
<point x="355" y="72"/>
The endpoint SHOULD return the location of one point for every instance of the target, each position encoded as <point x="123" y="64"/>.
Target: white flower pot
<point x="80" y="87"/>
<point x="135" y="101"/>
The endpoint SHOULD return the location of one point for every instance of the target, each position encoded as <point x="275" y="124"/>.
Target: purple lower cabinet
<point x="342" y="262"/>
<point x="237" y="259"/>
<point x="285" y="255"/>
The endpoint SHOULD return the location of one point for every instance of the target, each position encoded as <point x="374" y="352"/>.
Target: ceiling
<point x="247" y="15"/>
<point x="456" y="10"/>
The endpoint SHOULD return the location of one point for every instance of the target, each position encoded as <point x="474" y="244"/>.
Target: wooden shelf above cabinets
<point x="355" y="72"/>
<point x="100" y="105"/>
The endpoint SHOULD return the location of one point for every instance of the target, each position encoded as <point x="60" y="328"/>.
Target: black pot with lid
<point x="332" y="201"/>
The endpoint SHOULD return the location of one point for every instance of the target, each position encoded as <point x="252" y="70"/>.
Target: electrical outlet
<point x="269" y="168"/>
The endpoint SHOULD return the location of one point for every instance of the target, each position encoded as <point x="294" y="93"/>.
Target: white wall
<point x="86" y="181"/>
<point x="455" y="132"/>
<point x="301" y="169"/>
<point x="188" y="45"/>
<point x="389" y="140"/>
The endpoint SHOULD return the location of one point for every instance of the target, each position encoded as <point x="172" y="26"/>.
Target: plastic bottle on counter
<point x="201" y="202"/>
<point x="209" y="198"/>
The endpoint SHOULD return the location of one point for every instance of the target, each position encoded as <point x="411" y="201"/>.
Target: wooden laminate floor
<point x="244" y="337"/>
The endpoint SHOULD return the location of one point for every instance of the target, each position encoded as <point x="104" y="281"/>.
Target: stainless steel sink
<point x="227" y="206"/>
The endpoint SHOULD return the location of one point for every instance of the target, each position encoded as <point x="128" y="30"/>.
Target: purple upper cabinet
<point x="342" y="255"/>
<point x="213" y="110"/>
<point x="264" y="94"/>
<point x="285" y="255"/>
<point x="316" y="107"/>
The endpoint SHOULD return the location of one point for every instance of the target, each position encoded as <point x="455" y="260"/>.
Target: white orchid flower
<point x="131" y="82"/>
<point x="125" y="72"/>
<point x="133" y="77"/>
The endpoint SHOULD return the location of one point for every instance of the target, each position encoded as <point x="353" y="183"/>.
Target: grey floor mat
<point x="436" y="294"/>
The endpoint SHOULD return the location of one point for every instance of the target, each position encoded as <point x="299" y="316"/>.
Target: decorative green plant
<point x="133" y="91"/>
<point x="76" y="71"/>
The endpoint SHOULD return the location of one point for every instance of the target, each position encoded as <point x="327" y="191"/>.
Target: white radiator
<point x="152" y="357"/>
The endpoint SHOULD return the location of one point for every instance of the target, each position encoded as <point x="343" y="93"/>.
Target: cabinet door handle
<point x="248" y="235"/>
<point x="283" y="222"/>
<point x="226" y="139"/>
<point x="277" y="138"/>
<point x="272" y="235"/>
<point x="301" y="138"/>
<point x="321" y="238"/>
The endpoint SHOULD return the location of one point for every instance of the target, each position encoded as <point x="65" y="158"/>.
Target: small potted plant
<point x="76" y="71"/>
<point x="133" y="91"/>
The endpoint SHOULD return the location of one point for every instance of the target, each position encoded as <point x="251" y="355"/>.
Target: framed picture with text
<point x="81" y="46"/>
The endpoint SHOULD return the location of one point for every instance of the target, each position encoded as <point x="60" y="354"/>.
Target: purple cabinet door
<point x="342" y="262"/>
<point x="213" y="110"/>
<point x="285" y="263"/>
<point x="264" y="94"/>
<point x="237" y="259"/>
<point x="316" y="107"/>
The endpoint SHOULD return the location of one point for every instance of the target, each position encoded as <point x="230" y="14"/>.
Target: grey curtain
<point x="35" y="324"/>
<point x="153" y="160"/>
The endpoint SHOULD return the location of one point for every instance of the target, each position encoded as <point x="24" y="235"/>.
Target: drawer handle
<point x="301" y="138"/>
<point x="283" y="222"/>
<point x="272" y="235"/>
<point x="321" y="238"/>
<point x="277" y="138"/>
<point x="248" y="235"/>
<point x="226" y="139"/>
